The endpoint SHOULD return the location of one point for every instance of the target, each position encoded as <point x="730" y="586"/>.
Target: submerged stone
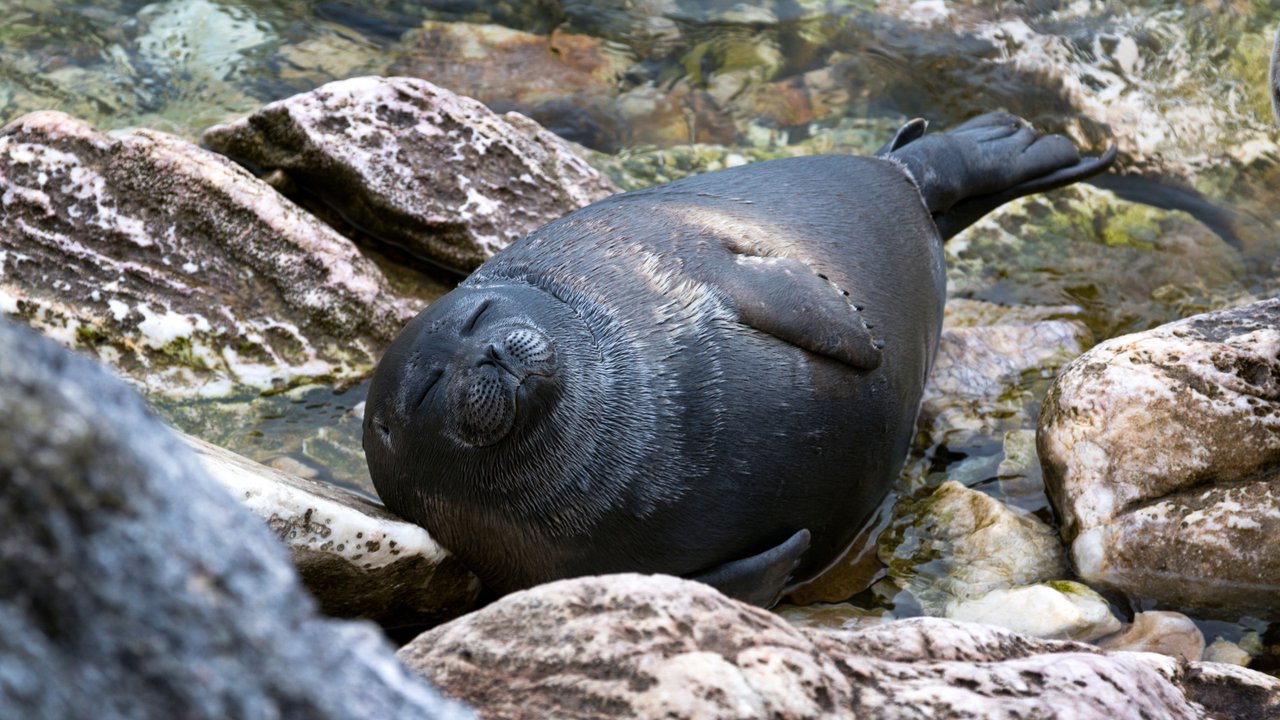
<point x="1161" y="453"/>
<point x="176" y="266"/>
<point x="958" y="543"/>
<point x="566" y="82"/>
<point x="416" y="166"/>
<point x="1161" y="631"/>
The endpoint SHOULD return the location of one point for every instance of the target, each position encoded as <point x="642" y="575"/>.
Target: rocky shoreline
<point x="1071" y="516"/>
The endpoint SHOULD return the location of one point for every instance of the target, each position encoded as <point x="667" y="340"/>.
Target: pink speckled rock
<point x="1162" y="456"/>
<point x="417" y="166"/>
<point x="634" y="646"/>
<point x="176" y="266"/>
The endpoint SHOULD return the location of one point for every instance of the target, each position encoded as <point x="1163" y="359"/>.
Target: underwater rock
<point x="416" y="166"/>
<point x="1160" y="631"/>
<point x="568" y="83"/>
<point x="959" y="543"/>
<point x="1062" y="610"/>
<point x="135" y="587"/>
<point x="357" y="559"/>
<point x="176" y="266"/>
<point x="638" y="646"/>
<point x="1161" y="453"/>
<point x="982" y="382"/>
<point x="1225" y="651"/>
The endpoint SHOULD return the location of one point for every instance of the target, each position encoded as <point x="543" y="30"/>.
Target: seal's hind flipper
<point x="913" y="130"/>
<point x="785" y="298"/>
<point x="974" y="168"/>
<point x="759" y="579"/>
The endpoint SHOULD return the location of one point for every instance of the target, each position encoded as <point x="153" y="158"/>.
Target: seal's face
<point x="462" y="376"/>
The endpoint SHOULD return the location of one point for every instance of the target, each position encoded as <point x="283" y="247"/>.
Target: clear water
<point x="751" y="79"/>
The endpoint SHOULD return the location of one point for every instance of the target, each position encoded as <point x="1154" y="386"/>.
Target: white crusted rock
<point x="959" y="543"/>
<point x="357" y="559"/>
<point x="1062" y="610"/>
<point x="1159" y="631"/>
<point x="176" y="266"/>
<point x="417" y="166"/>
<point x="1161" y="453"/>
<point x="633" y="646"/>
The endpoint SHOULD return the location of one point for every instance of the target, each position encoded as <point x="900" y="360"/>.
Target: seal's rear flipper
<point x="974" y="168"/>
<point x="759" y="579"/>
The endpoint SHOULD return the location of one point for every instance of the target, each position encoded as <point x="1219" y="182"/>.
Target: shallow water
<point x="755" y="81"/>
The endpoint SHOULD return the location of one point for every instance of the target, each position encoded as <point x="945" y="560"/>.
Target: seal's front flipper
<point x="759" y="579"/>
<point x="974" y="168"/>
<point x="785" y="298"/>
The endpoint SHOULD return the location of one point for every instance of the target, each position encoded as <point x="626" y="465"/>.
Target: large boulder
<point x="176" y="266"/>
<point x="1161" y="453"/>
<point x="416" y="166"/>
<point x="132" y="586"/>
<point x="356" y="558"/>
<point x="638" y="646"/>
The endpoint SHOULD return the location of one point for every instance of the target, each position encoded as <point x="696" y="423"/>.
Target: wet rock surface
<point x="1161" y="452"/>
<point x="655" y="646"/>
<point x="416" y="166"/>
<point x="1164" y="632"/>
<point x="132" y="586"/>
<point x="176" y="266"/>
<point x="958" y="543"/>
<point x="356" y="558"/>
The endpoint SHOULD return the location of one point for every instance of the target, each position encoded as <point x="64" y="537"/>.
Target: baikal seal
<point x="716" y="378"/>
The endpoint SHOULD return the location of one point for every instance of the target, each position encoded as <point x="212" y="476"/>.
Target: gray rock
<point x="1161" y="453"/>
<point x="417" y="166"/>
<point x="131" y="586"/>
<point x="356" y="558"/>
<point x="652" y="646"/>
<point x="176" y="266"/>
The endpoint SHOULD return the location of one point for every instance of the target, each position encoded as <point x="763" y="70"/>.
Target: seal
<point x="716" y="378"/>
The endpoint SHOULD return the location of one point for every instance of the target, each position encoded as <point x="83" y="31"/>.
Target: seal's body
<point x="718" y="377"/>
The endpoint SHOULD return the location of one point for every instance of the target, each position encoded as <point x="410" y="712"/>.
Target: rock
<point x="132" y="586"/>
<point x="831" y="616"/>
<point x="653" y="646"/>
<point x="1225" y="651"/>
<point x="1127" y="266"/>
<point x="958" y="543"/>
<point x="1161" y="453"/>
<point x="984" y="380"/>
<point x="416" y="166"/>
<point x="566" y="82"/>
<point x="1062" y="610"/>
<point x="176" y="266"/>
<point x="356" y="558"/>
<point x="1159" y="631"/>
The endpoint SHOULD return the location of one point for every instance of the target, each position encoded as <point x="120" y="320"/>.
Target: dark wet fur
<point x="738" y="364"/>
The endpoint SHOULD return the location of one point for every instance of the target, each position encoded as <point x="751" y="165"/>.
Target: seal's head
<point x="464" y="407"/>
<point x="475" y="367"/>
